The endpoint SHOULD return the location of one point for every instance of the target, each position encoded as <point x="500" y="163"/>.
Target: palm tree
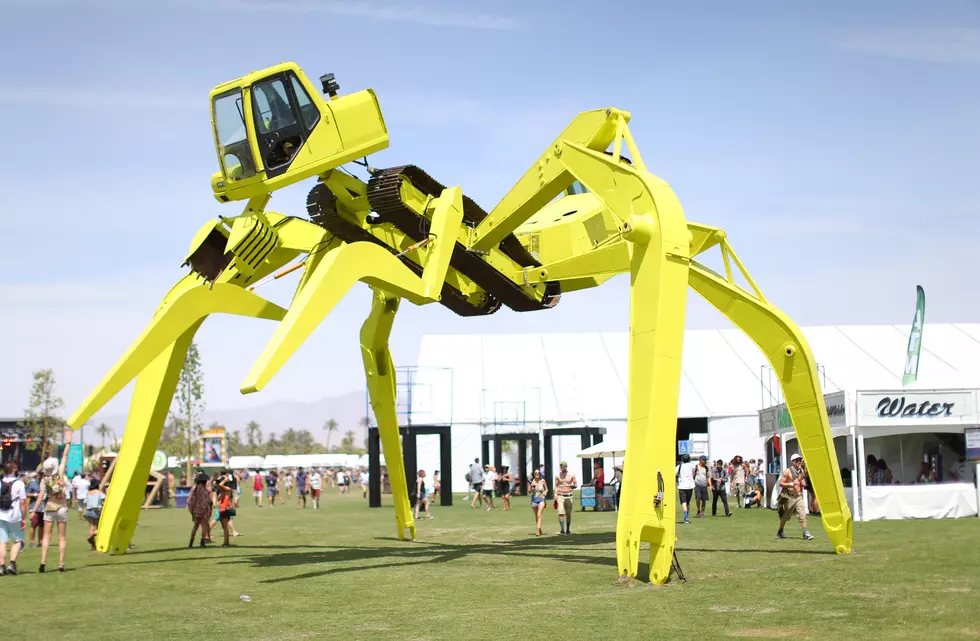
<point x="104" y="431"/>
<point x="253" y="435"/>
<point x="331" y="427"/>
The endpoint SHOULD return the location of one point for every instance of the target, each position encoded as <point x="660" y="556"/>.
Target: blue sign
<point x="683" y="447"/>
<point x="75" y="460"/>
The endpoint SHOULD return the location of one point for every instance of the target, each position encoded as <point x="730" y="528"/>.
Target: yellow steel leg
<point x="658" y="289"/>
<point x="154" y="392"/>
<point x="331" y="280"/>
<point x="381" y="387"/>
<point x="789" y="354"/>
<point x="187" y="303"/>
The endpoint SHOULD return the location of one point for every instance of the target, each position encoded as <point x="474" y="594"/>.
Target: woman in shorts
<point x="537" y="489"/>
<point x="504" y="481"/>
<point x="93" y="501"/>
<point x="54" y="499"/>
<point x="422" y="495"/>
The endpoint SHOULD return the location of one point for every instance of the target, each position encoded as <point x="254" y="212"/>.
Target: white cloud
<point x="430" y="14"/>
<point x="950" y="45"/>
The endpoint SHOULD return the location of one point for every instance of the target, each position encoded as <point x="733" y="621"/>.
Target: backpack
<point x="6" y="495"/>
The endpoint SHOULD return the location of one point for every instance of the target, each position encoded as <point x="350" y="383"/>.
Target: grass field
<point x="340" y="573"/>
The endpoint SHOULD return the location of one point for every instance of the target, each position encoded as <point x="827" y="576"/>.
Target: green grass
<point x="340" y="573"/>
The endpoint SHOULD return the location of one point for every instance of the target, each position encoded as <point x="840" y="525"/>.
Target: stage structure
<point x="410" y="434"/>
<point x="589" y="435"/>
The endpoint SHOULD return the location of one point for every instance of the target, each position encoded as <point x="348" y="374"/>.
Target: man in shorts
<point x="790" y="500"/>
<point x="701" y="473"/>
<point x="79" y="488"/>
<point x="476" y="480"/>
<point x="315" y="482"/>
<point x="565" y="484"/>
<point x="364" y="479"/>
<point x="13" y="513"/>
<point x="272" y="487"/>
<point x="685" y="484"/>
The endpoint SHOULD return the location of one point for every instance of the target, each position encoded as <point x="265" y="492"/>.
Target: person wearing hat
<point x="790" y="497"/>
<point x="701" y="485"/>
<point x="565" y="484"/>
<point x="199" y="505"/>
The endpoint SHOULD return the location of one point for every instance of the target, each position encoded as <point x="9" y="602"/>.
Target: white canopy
<point x="606" y="449"/>
<point x="243" y="462"/>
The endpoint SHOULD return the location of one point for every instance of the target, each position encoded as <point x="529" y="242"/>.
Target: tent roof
<point x="515" y="379"/>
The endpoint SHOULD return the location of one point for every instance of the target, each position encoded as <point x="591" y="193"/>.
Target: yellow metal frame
<point x="628" y="221"/>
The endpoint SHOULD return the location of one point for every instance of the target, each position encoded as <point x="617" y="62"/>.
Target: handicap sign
<point x="683" y="447"/>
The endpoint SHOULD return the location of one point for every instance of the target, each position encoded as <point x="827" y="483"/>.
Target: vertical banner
<point x="213" y="447"/>
<point x="915" y="338"/>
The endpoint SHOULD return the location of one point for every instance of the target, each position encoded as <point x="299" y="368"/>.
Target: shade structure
<point x="605" y="449"/>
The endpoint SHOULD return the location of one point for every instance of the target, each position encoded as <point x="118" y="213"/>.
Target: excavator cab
<point x="272" y="129"/>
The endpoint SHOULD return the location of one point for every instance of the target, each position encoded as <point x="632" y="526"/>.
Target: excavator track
<point x="321" y="205"/>
<point x="384" y="195"/>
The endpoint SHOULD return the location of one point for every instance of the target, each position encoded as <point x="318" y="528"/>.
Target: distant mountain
<point x="278" y="416"/>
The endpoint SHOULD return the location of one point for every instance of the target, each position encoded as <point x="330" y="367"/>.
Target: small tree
<point x="188" y="405"/>
<point x="347" y="444"/>
<point x="234" y="443"/>
<point x="40" y="416"/>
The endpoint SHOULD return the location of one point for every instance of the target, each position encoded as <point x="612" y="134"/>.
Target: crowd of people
<point x="487" y="483"/>
<point x="37" y="505"/>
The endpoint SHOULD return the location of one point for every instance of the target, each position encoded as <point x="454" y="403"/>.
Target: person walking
<point x="13" y="517"/>
<point x="719" y="479"/>
<point x="599" y="483"/>
<point x="538" y="489"/>
<point x="364" y="479"/>
<point x="421" y="495"/>
<point x="489" y="478"/>
<point x="94" y="499"/>
<point x="33" y="492"/>
<point x="701" y="473"/>
<point x="226" y="508"/>
<point x="301" y="480"/>
<point x="53" y="499"/>
<point x="476" y="480"/>
<point x="790" y="500"/>
<point x="316" y="482"/>
<point x="565" y="484"/>
<point x="739" y="475"/>
<point x="504" y="481"/>
<point x="684" y="473"/>
<point x="272" y="487"/>
<point x="79" y="488"/>
<point x="199" y="505"/>
<point x="257" y="488"/>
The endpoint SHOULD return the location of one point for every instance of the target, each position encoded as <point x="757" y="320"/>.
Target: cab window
<point x="272" y="104"/>
<point x="308" y="112"/>
<point x="230" y="134"/>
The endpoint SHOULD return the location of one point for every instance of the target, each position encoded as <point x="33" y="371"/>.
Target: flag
<point x="915" y="338"/>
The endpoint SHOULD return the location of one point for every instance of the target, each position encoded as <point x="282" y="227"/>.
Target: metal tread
<point x="322" y="209"/>
<point x="384" y="195"/>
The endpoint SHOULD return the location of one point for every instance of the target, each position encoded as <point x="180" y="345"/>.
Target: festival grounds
<point x="339" y="573"/>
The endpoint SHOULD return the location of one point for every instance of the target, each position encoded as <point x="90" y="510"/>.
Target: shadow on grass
<point x="763" y="551"/>
<point x="421" y="553"/>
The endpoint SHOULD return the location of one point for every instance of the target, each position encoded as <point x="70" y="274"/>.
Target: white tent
<point x="525" y="382"/>
<point x="245" y="462"/>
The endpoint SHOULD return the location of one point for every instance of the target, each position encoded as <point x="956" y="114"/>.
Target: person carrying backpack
<point x="13" y="517"/>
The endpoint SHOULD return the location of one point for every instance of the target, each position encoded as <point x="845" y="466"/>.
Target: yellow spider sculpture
<point x="580" y="215"/>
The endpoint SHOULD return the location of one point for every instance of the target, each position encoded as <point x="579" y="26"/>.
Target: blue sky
<point x="837" y="143"/>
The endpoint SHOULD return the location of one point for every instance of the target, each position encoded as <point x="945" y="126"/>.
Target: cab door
<point x="281" y="127"/>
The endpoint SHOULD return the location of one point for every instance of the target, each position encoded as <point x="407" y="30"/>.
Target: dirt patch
<point x="768" y="633"/>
